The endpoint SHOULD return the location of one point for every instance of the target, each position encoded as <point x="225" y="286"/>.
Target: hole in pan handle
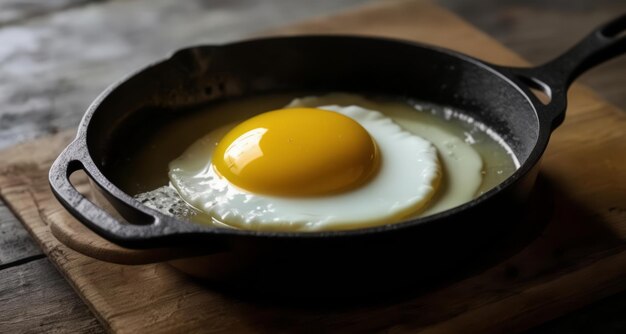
<point x="554" y="77"/>
<point x="96" y="218"/>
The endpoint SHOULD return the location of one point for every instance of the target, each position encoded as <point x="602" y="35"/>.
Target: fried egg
<point x="309" y="169"/>
<point x="464" y="170"/>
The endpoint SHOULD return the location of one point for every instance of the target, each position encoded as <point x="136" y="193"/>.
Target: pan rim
<point x="95" y="173"/>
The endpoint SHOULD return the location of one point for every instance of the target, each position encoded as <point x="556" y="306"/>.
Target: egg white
<point x="462" y="166"/>
<point x="408" y="178"/>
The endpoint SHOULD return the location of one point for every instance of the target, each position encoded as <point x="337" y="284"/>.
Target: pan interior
<point x="198" y="77"/>
<point x="143" y="168"/>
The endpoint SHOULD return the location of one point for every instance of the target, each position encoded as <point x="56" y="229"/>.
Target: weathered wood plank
<point x="557" y="273"/>
<point x="606" y="316"/>
<point x="54" y="66"/>
<point x="34" y="298"/>
<point x="44" y="99"/>
<point x="15" y="243"/>
<point x="15" y="11"/>
<point x="538" y="31"/>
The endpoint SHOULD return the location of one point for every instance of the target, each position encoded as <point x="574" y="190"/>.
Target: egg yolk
<point x="297" y="152"/>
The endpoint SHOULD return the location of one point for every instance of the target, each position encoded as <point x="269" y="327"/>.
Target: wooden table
<point x="55" y="56"/>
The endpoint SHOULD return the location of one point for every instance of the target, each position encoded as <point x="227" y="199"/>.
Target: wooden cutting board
<point x="579" y="257"/>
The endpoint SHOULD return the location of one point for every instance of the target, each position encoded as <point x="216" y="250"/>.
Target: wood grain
<point x="15" y="243"/>
<point x="15" y="11"/>
<point x="579" y="257"/>
<point x="47" y="306"/>
<point x="57" y="55"/>
<point x="54" y="66"/>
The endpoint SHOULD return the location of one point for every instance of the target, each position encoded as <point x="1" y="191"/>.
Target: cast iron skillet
<point x="497" y="96"/>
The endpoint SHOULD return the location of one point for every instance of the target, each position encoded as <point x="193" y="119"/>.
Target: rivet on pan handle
<point x="554" y="77"/>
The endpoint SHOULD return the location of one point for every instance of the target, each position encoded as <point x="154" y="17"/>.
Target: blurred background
<point x="56" y="56"/>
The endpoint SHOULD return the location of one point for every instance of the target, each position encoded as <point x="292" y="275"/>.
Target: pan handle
<point x="122" y="233"/>
<point x="554" y="77"/>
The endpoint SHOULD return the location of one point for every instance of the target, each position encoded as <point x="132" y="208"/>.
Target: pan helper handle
<point x="122" y="233"/>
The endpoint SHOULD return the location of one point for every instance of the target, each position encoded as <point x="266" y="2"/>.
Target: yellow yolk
<point x="297" y="152"/>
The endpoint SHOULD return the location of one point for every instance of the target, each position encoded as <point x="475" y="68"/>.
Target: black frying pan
<point x="498" y="96"/>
